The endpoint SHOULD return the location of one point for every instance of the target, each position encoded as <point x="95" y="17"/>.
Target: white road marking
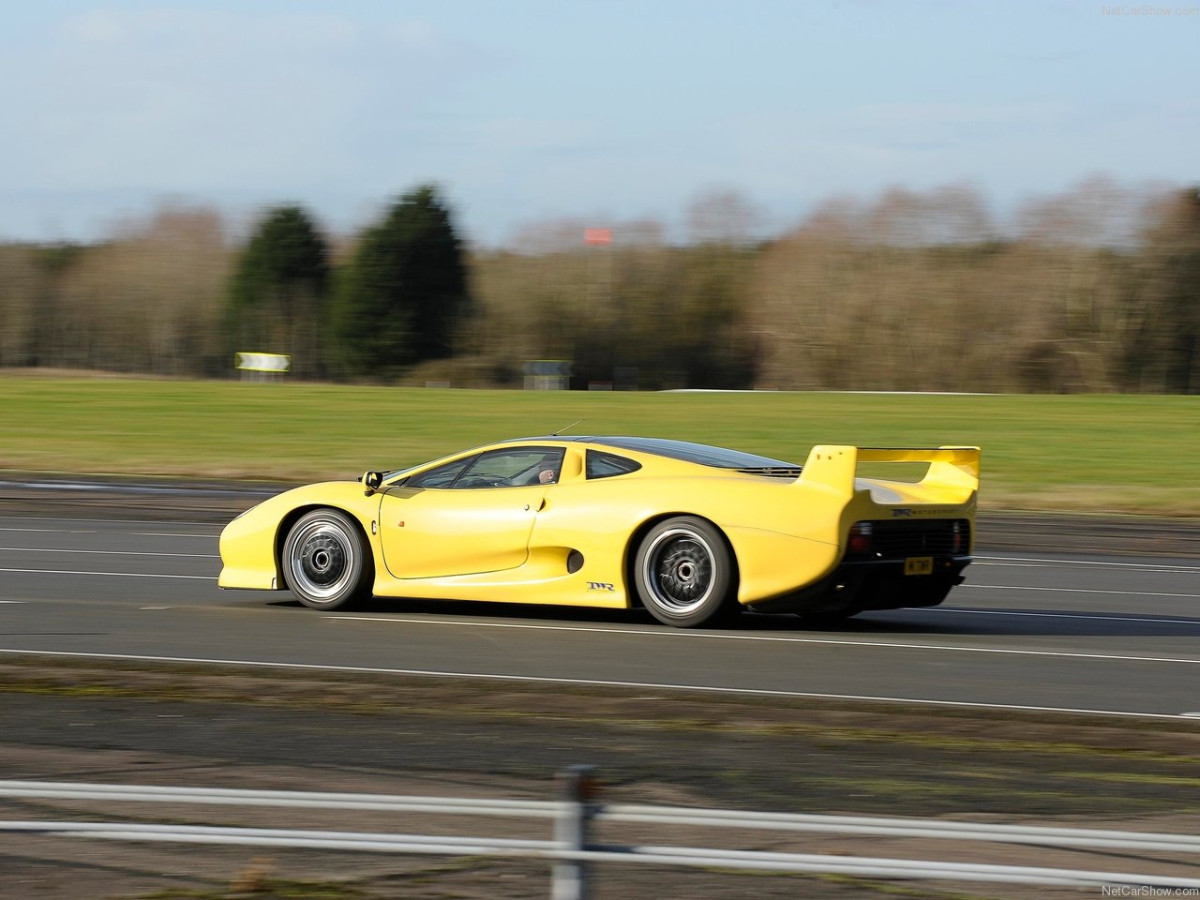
<point x="12" y="601"/>
<point x="183" y="534"/>
<point x="52" y="530"/>
<point x="1136" y="620"/>
<point x="1057" y="590"/>
<point x="639" y="685"/>
<point x="109" y="574"/>
<point x="1035" y="562"/>
<point x="773" y="639"/>
<point x="112" y="552"/>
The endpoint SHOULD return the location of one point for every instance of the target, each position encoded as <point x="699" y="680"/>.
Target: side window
<point x="515" y="467"/>
<point x="606" y="465"/>
<point x="440" y="477"/>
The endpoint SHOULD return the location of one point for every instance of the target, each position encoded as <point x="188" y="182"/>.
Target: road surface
<point x="1028" y="630"/>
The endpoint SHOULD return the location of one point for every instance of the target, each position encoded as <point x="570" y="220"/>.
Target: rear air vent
<point x="897" y="540"/>
<point x="773" y="471"/>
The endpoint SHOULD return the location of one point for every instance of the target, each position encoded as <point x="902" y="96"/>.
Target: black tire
<point x="684" y="573"/>
<point x="326" y="563"/>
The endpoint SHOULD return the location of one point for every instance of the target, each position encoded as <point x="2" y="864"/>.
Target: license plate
<point x="918" y="565"/>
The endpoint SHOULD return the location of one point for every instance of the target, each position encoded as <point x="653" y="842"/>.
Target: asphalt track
<point x="1115" y="635"/>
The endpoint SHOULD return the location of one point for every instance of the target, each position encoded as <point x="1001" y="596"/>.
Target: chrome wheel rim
<point x="679" y="570"/>
<point x="322" y="560"/>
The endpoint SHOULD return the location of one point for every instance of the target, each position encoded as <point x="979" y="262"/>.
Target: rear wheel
<point x="684" y="573"/>
<point x="327" y="563"/>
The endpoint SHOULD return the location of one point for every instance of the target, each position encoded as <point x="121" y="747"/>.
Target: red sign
<point x="597" y="235"/>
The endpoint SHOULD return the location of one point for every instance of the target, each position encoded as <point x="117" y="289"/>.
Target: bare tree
<point x="149" y="299"/>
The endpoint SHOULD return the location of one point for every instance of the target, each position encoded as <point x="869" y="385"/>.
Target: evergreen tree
<point x="279" y="291"/>
<point x="405" y="292"/>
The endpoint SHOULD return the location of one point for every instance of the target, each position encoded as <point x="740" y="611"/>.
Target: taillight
<point x="959" y="536"/>
<point x="860" y="538"/>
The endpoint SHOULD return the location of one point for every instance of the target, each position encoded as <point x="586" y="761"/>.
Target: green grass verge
<point x="1095" y="453"/>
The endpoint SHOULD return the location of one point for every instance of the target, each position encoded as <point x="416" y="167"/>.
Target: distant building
<point x="547" y="374"/>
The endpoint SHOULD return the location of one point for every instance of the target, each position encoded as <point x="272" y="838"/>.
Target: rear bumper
<point x="857" y="585"/>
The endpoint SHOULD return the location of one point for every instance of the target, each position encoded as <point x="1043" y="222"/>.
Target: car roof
<point x="686" y="451"/>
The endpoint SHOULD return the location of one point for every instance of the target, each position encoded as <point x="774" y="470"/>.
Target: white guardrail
<point x="572" y="849"/>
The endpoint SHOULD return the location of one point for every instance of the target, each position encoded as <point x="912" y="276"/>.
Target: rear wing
<point x="834" y="466"/>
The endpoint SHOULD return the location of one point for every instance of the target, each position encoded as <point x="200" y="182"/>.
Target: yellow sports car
<point x="691" y="532"/>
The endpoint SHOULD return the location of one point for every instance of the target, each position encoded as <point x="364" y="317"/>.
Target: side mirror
<point x="371" y="482"/>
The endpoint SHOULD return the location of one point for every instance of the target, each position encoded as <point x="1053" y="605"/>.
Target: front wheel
<point x="327" y="563"/>
<point x="684" y="573"/>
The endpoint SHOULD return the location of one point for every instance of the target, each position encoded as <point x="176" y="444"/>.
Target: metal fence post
<point x="576" y="788"/>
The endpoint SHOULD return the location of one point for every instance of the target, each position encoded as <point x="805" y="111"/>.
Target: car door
<point x="469" y="516"/>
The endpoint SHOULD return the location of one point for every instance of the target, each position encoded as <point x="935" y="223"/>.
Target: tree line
<point x="1097" y="290"/>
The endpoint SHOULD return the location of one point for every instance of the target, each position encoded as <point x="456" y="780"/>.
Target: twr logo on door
<point x="600" y="586"/>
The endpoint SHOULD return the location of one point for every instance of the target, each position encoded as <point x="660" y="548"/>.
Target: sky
<point x="604" y="111"/>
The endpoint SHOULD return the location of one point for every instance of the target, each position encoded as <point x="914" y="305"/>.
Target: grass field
<point x="1098" y="453"/>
